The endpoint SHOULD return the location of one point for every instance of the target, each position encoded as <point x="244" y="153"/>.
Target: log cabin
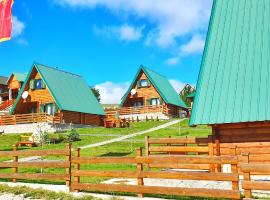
<point x="3" y="89"/>
<point x="58" y="93"/>
<point x="233" y="95"/>
<point x="151" y="93"/>
<point x="15" y="83"/>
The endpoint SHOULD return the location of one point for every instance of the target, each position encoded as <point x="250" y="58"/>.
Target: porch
<point x="28" y="119"/>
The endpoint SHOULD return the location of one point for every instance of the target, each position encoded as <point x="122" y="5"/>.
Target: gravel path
<point x="131" y="135"/>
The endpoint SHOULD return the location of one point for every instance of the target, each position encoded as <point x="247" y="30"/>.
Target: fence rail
<point x="28" y="118"/>
<point x="248" y="169"/>
<point x="15" y="164"/>
<point x="140" y="174"/>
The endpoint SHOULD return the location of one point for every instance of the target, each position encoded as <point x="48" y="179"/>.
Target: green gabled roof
<point x="191" y="95"/>
<point x="3" y="80"/>
<point x="70" y="91"/>
<point x="162" y="85"/>
<point x="20" y="76"/>
<point x="233" y="84"/>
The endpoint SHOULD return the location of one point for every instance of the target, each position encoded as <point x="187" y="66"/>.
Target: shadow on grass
<point x="115" y="154"/>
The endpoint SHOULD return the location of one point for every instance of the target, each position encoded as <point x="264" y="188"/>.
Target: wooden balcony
<point x="6" y="104"/>
<point x="139" y="110"/>
<point x="28" y="119"/>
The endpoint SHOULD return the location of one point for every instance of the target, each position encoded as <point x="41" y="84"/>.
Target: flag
<point x="5" y="19"/>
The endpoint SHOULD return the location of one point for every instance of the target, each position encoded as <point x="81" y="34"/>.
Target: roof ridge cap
<point x="56" y="68"/>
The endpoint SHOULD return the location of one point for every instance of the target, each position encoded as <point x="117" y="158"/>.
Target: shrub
<point x="73" y="136"/>
<point x="57" y="138"/>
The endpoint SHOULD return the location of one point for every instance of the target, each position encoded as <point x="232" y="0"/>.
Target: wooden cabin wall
<point x="253" y="138"/>
<point x="173" y="110"/>
<point x="81" y="118"/>
<point x="36" y="97"/>
<point x="14" y="83"/>
<point x="146" y="93"/>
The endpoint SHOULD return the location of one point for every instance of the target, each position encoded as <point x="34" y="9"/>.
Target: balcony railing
<point x="28" y="118"/>
<point x="138" y="110"/>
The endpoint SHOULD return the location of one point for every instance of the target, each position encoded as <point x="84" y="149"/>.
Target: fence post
<point x="68" y="169"/>
<point x="77" y="167"/>
<point x="15" y="161"/>
<point x="147" y="152"/>
<point x="139" y="170"/>
<point x="169" y="144"/>
<point x="211" y="153"/>
<point x="247" y="192"/>
<point x="234" y="169"/>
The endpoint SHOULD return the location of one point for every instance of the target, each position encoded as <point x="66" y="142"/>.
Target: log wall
<point x="81" y="118"/>
<point x="144" y="93"/>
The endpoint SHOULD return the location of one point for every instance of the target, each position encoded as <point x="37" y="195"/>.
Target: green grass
<point x="41" y="194"/>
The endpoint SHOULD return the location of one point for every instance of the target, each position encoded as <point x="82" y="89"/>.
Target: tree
<point x="187" y="90"/>
<point x="96" y="93"/>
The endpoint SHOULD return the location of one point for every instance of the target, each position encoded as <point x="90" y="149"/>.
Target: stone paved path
<point x="119" y="139"/>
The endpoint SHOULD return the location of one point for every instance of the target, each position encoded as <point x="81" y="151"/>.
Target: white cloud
<point x="171" y="19"/>
<point x="111" y="93"/>
<point x="172" y="61"/>
<point x="178" y="85"/>
<point x="17" y="26"/>
<point x="124" y="32"/>
<point x="22" y="41"/>
<point x="194" y="46"/>
<point x="130" y="33"/>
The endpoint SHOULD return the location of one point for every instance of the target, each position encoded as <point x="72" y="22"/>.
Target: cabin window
<point x="154" y="102"/>
<point x="50" y="109"/>
<point x="37" y="84"/>
<point x="137" y="103"/>
<point x="143" y="83"/>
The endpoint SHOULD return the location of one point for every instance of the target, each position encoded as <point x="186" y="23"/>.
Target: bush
<point x="57" y="138"/>
<point x="73" y="136"/>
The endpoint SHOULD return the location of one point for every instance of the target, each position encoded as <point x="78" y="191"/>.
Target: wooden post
<point x="139" y="170"/>
<point x="147" y="152"/>
<point x="169" y="144"/>
<point x="234" y="170"/>
<point x="247" y="192"/>
<point x="15" y="161"/>
<point x="217" y="143"/>
<point x="77" y="167"/>
<point x="68" y="169"/>
<point x="211" y="152"/>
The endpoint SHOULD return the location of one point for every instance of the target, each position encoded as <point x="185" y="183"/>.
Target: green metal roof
<point x="191" y="95"/>
<point x="20" y="76"/>
<point x="3" y="80"/>
<point x="233" y="84"/>
<point x="162" y="85"/>
<point x="70" y="91"/>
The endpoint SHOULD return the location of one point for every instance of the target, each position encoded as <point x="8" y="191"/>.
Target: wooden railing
<point x="6" y="104"/>
<point x="28" y="118"/>
<point x="140" y="174"/>
<point x="16" y="164"/>
<point x="248" y="169"/>
<point x="139" y="110"/>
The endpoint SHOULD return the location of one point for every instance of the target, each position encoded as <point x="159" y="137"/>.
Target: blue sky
<point x="105" y="41"/>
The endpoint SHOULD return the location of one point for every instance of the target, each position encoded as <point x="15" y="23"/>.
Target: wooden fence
<point x="248" y="169"/>
<point x="141" y="173"/>
<point x="180" y="146"/>
<point x="28" y="118"/>
<point x="15" y="164"/>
